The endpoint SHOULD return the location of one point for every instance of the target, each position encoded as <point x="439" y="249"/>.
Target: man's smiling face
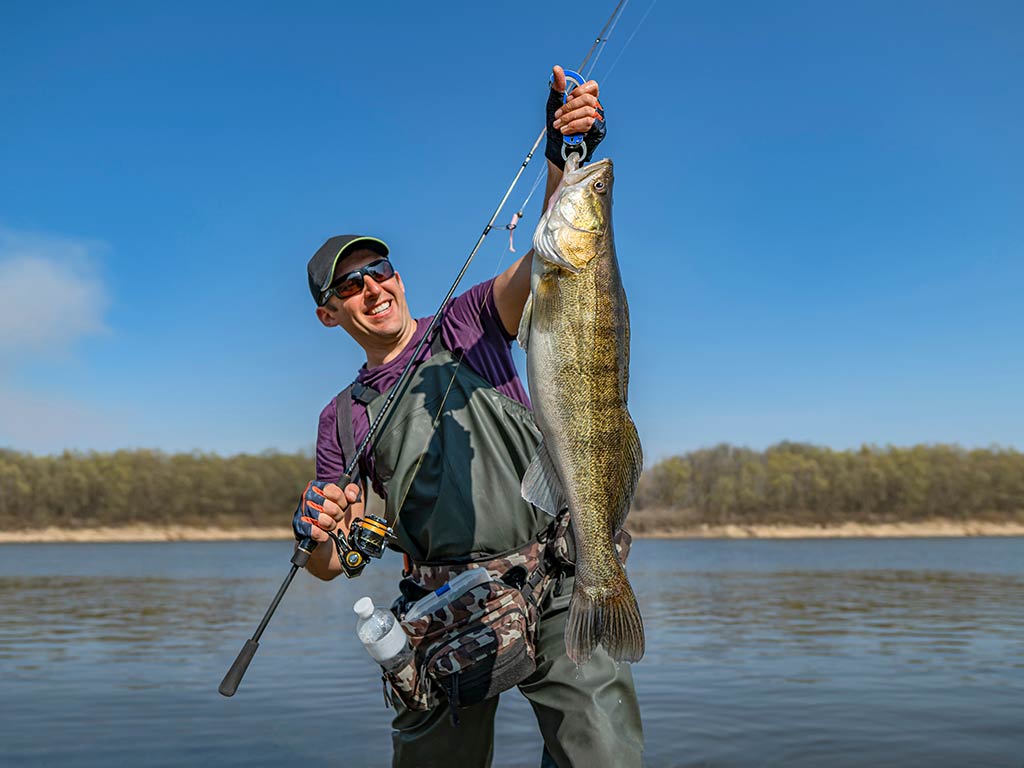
<point x="377" y="317"/>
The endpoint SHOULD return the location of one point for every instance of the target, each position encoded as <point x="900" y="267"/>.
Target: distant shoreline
<point x="926" y="529"/>
<point x="910" y="530"/>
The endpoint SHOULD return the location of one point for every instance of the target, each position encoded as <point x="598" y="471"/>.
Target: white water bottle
<point x="384" y="638"/>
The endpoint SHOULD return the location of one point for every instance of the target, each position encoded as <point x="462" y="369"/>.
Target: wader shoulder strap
<point x="343" y="422"/>
<point x="343" y="415"/>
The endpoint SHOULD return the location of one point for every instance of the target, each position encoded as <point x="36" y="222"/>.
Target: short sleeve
<point x="473" y="329"/>
<point x="474" y="315"/>
<point x="330" y="460"/>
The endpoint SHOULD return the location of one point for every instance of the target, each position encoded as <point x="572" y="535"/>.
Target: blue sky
<point x="819" y="208"/>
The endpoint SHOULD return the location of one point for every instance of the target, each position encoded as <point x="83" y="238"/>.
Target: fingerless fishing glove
<point x="593" y="137"/>
<point x="308" y="512"/>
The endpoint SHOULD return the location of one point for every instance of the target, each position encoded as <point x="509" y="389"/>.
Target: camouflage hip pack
<point x="483" y="642"/>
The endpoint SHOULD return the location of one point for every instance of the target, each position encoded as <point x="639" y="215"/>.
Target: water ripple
<point x="758" y="654"/>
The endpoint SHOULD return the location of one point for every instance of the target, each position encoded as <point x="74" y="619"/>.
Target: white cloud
<point x="50" y="293"/>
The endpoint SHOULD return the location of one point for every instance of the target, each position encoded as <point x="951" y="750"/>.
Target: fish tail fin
<point x="611" y="618"/>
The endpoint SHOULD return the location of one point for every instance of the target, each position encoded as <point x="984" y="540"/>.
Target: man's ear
<point x="325" y="317"/>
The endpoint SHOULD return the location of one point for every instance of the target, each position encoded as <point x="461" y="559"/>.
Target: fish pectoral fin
<point x="523" y="335"/>
<point x="541" y="484"/>
<point x="632" y="465"/>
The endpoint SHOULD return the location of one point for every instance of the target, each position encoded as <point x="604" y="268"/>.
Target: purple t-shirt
<point x="470" y="326"/>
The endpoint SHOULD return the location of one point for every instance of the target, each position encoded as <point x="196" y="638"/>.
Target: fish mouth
<point x="575" y="176"/>
<point x="583" y="172"/>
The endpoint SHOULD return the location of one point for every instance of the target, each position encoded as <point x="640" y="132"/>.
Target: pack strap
<point x="550" y="562"/>
<point x="537" y="558"/>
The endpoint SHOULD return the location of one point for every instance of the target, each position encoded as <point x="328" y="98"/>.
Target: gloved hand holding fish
<point x="575" y="330"/>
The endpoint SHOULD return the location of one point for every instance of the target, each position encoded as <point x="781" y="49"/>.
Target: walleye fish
<point x="575" y="330"/>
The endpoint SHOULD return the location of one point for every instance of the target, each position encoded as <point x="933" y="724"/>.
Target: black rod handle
<point x="229" y="684"/>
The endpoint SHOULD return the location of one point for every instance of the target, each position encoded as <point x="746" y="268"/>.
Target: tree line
<point x="143" y="487"/>
<point x="800" y="484"/>
<point x="788" y="483"/>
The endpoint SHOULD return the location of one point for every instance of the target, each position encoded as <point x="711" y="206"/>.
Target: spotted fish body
<point x="575" y="331"/>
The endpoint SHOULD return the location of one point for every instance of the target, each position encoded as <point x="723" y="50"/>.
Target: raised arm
<point x="577" y="115"/>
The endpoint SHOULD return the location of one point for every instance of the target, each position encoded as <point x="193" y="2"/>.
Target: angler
<point x="449" y="462"/>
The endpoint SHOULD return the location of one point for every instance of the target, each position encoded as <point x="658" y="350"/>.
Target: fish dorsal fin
<point x="632" y="465"/>
<point x="541" y="484"/>
<point x="523" y="335"/>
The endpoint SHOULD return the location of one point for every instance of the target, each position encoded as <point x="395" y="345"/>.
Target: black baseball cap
<point x="320" y="269"/>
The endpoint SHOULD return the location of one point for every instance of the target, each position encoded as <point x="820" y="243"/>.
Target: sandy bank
<point x="929" y="529"/>
<point x="925" y="529"/>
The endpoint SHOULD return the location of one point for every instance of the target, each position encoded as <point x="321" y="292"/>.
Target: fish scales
<point x="576" y="334"/>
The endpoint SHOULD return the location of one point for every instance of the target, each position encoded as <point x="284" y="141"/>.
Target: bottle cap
<point x="363" y="607"/>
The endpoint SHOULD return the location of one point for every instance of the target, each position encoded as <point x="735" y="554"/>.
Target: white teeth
<point x="380" y="308"/>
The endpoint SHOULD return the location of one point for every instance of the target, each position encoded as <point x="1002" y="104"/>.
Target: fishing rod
<point x="368" y="536"/>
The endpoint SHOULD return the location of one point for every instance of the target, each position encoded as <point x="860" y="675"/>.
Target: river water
<point x="760" y="653"/>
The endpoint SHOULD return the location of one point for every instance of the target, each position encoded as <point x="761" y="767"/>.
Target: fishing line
<point x="601" y="35"/>
<point x="593" y="64"/>
<point x="624" y="47"/>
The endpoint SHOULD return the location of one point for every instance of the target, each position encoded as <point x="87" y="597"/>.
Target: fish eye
<point x="599" y="186"/>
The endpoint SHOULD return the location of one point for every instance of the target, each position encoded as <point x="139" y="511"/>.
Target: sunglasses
<point x="352" y="283"/>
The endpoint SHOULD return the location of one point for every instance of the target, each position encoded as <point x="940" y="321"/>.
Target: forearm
<point x="323" y="562"/>
<point x="512" y="287"/>
<point x="554" y="178"/>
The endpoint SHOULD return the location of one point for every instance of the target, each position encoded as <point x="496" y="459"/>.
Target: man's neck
<point x="385" y="354"/>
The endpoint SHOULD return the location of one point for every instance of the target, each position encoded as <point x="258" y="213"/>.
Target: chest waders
<point x="450" y="462"/>
<point x="451" y="482"/>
